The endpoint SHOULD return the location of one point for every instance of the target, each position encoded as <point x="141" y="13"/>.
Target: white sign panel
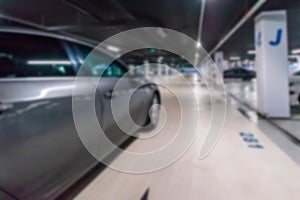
<point x="272" y="64"/>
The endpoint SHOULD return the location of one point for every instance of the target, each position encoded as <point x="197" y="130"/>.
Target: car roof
<point x="30" y="31"/>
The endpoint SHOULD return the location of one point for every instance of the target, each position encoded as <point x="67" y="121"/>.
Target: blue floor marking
<point x="250" y="139"/>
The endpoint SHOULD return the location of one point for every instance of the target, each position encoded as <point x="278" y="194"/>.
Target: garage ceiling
<point x="98" y="20"/>
<point x="243" y="39"/>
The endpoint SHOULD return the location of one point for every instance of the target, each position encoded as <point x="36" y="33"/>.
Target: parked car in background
<point x="40" y="152"/>
<point x="294" y="81"/>
<point x="239" y="73"/>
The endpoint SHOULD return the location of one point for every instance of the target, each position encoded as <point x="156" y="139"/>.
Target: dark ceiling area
<point x="243" y="39"/>
<point x="97" y="20"/>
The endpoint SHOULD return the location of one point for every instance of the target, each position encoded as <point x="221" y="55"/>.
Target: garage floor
<point x="246" y="92"/>
<point x="232" y="171"/>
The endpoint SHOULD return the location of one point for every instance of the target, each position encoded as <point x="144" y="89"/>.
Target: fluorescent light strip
<point x="49" y="62"/>
<point x="293" y="56"/>
<point x="251" y="52"/>
<point x="235" y="58"/>
<point x="247" y="16"/>
<point x="113" y="48"/>
<point x="296" y="51"/>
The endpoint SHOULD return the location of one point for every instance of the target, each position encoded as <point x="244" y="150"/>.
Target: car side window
<point x="112" y="71"/>
<point x="97" y="67"/>
<point x="23" y="55"/>
<point x="115" y="70"/>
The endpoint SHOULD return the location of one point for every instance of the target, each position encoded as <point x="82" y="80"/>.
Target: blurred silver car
<point x="40" y="152"/>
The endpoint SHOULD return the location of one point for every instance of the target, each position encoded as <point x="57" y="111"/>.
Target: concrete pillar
<point x="131" y="70"/>
<point x="159" y="69"/>
<point x="219" y="60"/>
<point x="166" y="70"/>
<point x="239" y="63"/>
<point x="147" y="69"/>
<point x="159" y="65"/>
<point x="271" y="63"/>
<point x="298" y="63"/>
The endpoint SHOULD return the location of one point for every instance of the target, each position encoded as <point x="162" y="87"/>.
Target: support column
<point x="272" y="64"/>
<point x="298" y="62"/>
<point x="147" y="69"/>
<point x="219" y="60"/>
<point x="159" y="66"/>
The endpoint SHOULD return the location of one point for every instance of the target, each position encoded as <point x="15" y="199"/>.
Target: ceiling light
<point x="296" y="51"/>
<point x="251" y="52"/>
<point x="293" y="56"/>
<point x="49" y="62"/>
<point x="113" y="48"/>
<point x="235" y="58"/>
<point x="198" y="45"/>
<point x="246" y="61"/>
<point x="161" y="32"/>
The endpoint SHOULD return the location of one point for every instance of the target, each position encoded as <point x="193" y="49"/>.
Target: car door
<point x="115" y="108"/>
<point x="139" y="99"/>
<point x="40" y="152"/>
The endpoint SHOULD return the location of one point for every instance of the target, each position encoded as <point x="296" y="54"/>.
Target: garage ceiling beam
<point x="123" y="10"/>
<point x="82" y="10"/>
<point x="201" y="19"/>
<point x="21" y="21"/>
<point x="41" y="27"/>
<point x="105" y="10"/>
<point x="247" y="16"/>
